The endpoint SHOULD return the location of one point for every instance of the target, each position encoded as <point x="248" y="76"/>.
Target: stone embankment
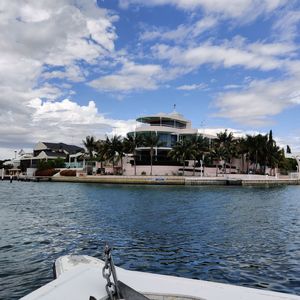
<point x="242" y="180"/>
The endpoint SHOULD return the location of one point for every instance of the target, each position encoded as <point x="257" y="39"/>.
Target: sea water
<point x="242" y="236"/>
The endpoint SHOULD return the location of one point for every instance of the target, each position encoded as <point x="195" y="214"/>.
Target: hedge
<point x="68" y="173"/>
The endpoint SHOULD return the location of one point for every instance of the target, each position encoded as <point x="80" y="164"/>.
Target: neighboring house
<point x="55" y="150"/>
<point x="49" y="151"/>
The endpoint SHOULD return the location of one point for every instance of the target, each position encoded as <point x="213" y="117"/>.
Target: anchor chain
<point x="108" y="271"/>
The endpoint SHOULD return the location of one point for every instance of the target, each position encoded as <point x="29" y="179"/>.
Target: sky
<point x="72" y="68"/>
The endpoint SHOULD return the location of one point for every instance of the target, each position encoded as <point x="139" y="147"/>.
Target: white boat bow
<point x="80" y="277"/>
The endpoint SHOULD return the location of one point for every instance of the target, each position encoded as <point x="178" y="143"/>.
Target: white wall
<point x="30" y="171"/>
<point x="156" y="170"/>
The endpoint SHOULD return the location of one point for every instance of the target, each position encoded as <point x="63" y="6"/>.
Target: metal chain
<point x="108" y="270"/>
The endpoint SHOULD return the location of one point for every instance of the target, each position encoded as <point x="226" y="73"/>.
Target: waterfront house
<point x="170" y="129"/>
<point x="50" y="151"/>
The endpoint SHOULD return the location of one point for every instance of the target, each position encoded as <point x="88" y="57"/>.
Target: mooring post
<point x="2" y="176"/>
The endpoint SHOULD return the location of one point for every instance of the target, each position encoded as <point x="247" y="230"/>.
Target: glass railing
<point x="161" y="125"/>
<point x="73" y="165"/>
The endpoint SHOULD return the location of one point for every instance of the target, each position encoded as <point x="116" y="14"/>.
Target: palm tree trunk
<point x="122" y="165"/>
<point x="243" y="162"/>
<point x="134" y="162"/>
<point x="151" y="160"/>
<point x="255" y="161"/>
<point x="194" y="167"/>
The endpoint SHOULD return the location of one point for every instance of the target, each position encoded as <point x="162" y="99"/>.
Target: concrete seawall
<point x="159" y="180"/>
<point x="179" y="180"/>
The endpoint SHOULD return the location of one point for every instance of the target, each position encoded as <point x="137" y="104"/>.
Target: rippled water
<point x="244" y="236"/>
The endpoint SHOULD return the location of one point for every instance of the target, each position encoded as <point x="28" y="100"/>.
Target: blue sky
<point x="71" y="68"/>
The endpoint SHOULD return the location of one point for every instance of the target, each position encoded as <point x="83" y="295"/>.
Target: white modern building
<point x="169" y="128"/>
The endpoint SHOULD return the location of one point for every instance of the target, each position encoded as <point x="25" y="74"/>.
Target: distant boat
<point x="81" y="278"/>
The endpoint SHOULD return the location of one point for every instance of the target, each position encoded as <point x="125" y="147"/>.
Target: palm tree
<point x="101" y="148"/>
<point x="90" y="145"/>
<point x="274" y="155"/>
<point x="130" y="143"/>
<point x="224" y="140"/>
<point x="231" y="153"/>
<point x="114" y="150"/>
<point x="218" y="154"/>
<point x="182" y="151"/>
<point x="201" y="145"/>
<point x="152" y="141"/>
<point x="242" y="151"/>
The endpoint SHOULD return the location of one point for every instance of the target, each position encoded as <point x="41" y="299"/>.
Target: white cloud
<point x="225" y="55"/>
<point x="236" y="132"/>
<point x="287" y="25"/>
<point x="232" y="86"/>
<point x="235" y="8"/>
<point x="34" y="37"/>
<point x="259" y="101"/>
<point x="190" y="87"/>
<point x="182" y="32"/>
<point x="60" y="121"/>
<point x="131" y="77"/>
<point x="273" y="49"/>
<point x="72" y="73"/>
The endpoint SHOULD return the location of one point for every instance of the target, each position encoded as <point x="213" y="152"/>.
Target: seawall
<point x="180" y="180"/>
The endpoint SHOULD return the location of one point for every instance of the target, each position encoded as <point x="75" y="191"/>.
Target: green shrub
<point x="68" y="173"/>
<point x="51" y="164"/>
<point x="48" y="172"/>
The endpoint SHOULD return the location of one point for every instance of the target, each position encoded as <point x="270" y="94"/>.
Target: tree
<point x="257" y="149"/>
<point x="201" y="145"/>
<point x="152" y="141"/>
<point x="274" y="155"/>
<point x="182" y="151"/>
<point x="101" y="149"/>
<point x="242" y="151"/>
<point x="224" y="142"/>
<point x="231" y="153"/>
<point x="224" y="138"/>
<point x="114" y="150"/>
<point x="263" y="151"/>
<point x="218" y="154"/>
<point x="130" y="143"/>
<point x="90" y="145"/>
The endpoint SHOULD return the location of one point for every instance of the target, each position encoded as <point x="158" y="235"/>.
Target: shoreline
<point x="228" y="180"/>
<point x="179" y="180"/>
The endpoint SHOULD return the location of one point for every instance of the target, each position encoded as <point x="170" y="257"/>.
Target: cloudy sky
<point x="71" y="68"/>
